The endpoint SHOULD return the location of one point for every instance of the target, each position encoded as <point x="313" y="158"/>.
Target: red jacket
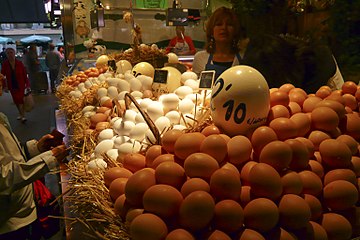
<point x="176" y="39"/>
<point x="21" y="75"/>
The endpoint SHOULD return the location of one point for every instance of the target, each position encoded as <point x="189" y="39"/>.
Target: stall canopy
<point x="22" y="11"/>
<point x="35" y="39"/>
<point x="6" y="40"/>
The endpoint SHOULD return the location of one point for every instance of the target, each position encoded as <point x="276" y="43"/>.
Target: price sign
<point x="112" y="65"/>
<point x="207" y="79"/>
<point x="160" y="76"/>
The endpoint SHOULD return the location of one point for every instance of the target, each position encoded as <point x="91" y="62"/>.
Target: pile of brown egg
<point x="297" y="177"/>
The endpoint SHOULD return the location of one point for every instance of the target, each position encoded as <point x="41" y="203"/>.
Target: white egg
<point x="88" y="108"/>
<point x="188" y="75"/>
<point x="113" y="92"/>
<point x="129" y="115"/>
<point x="195" y="98"/>
<point x="194" y="84"/>
<point x="145" y="103"/>
<point x="120" y="75"/>
<point x="170" y="101"/>
<point x="125" y="127"/>
<point x="103" y="147"/>
<point x="121" y="95"/>
<point x="172" y="58"/>
<point x="128" y="75"/>
<point x="120" y="140"/>
<point x="112" y="81"/>
<point x="135" y="84"/>
<point x="186" y="106"/>
<point x="123" y="85"/>
<point x="189" y="120"/>
<point x="113" y="120"/>
<point x="81" y="85"/>
<point x="179" y="127"/>
<point x="82" y="89"/>
<point x="183" y="91"/>
<point x="77" y="94"/>
<point x="139" y="118"/>
<point x="162" y="123"/>
<point x="102" y="77"/>
<point x="106" y="134"/>
<point x="137" y="94"/>
<point x="173" y="116"/>
<point x="89" y="114"/>
<point x="149" y="137"/>
<point x="128" y="147"/>
<point x="97" y="163"/>
<point x="138" y="132"/>
<point x="101" y="92"/>
<point x="154" y="46"/>
<point x="155" y="110"/>
<point x="104" y="99"/>
<point x="113" y="153"/>
<point x="146" y="82"/>
<point x="108" y="75"/>
<point x="88" y="83"/>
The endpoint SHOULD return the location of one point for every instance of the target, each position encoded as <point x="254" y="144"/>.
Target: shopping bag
<point x="48" y="226"/>
<point x="28" y="100"/>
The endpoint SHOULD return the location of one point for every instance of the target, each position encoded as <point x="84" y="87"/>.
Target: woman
<point x="222" y="36"/>
<point x="181" y="44"/>
<point x="15" y="80"/>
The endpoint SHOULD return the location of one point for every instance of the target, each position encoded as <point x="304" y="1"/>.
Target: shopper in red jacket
<point x="181" y="44"/>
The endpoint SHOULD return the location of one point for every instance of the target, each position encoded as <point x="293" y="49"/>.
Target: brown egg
<point x="323" y="93"/>
<point x="262" y="136"/>
<point x="336" y="226"/>
<point x="162" y="158"/>
<point x="261" y="214"/>
<point x="297" y="95"/>
<point x="324" y="118"/>
<point x="278" y="111"/>
<point x="245" y="172"/>
<point x="179" y="234"/>
<point x="334" y="105"/>
<point x="350" y="101"/>
<point x="248" y="234"/>
<point x="291" y="183"/>
<point x="137" y="184"/>
<point x="279" y="98"/>
<point x="97" y="117"/>
<point x="215" y="146"/>
<point x="294" y="108"/>
<point x="169" y="138"/>
<point x="357" y="95"/>
<point x="285" y="235"/>
<point x="340" y="195"/>
<point x="316" y="231"/>
<point x="302" y="123"/>
<point x="153" y="152"/>
<point x="317" y="137"/>
<point x="101" y="126"/>
<point x="284" y="128"/>
<point x="335" y="154"/>
<point x="170" y="173"/>
<point x="229" y="216"/>
<point x="349" y="87"/>
<point x="309" y="144"/>
<point x="108" y="103"/>
<point x="209" y="130"/>
<point x="197" y="210"/>
<point x="265" y="181"/>
<point x="148" y="226"/>
<point x="231" y="167"/>
<point x="132" y="214"/>
<point x="194" y="184"/>
<point x="336" y="97"/>
<point x="134" y="162"/>
<point x="287" y="87"/>
<point x="300" y="154"/>
<point x="117" y="188"/>
<point x="245" y="196"/>
<point x="239" y="150"/>
<point x="187" y="144"/>
<point x="200" y="165"/>
<point x="355" y="161"/>
<point x="226" y="137"/>
<point x="315" y="206"/>
<point x="277" y="154"/>
<point x="115" y="172"/>
<point x="340" y="174"/>
<point x="316" y="168"/>
<point x="119" y="205"/>
<point x="310" y="103"/>
<point x="162" y="200"/>
<point x="102" y="109"/>
<point x="225" y="184"/>
<point x="312" y="183"/>
<point x="218" y="235"/>
<point x="294" y="212"/>
<point x="352" y="126"/>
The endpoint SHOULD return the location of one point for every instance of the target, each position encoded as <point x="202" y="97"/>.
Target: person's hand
<point x="45" y="143"/>
<point x="60" y="152"/>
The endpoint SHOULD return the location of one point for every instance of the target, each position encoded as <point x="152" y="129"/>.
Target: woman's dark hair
<point x="223" y="13"/>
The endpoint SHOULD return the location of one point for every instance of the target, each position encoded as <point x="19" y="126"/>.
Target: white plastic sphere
<point x="172" y="58"/>
<point x="188" y="75"/>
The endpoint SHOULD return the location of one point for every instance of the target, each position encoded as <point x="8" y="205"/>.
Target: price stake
<point x="112" y="65"/>
<point x="207" y="79"/>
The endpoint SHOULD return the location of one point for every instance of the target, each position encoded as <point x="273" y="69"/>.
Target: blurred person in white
<point x="53" y="62"/>
<point x="20" y="166"/>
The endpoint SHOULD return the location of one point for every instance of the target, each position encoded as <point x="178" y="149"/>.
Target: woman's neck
<point x="223" y="53"/>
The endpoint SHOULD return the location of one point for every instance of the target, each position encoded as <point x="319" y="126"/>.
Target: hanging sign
<point x="163" y="4"/>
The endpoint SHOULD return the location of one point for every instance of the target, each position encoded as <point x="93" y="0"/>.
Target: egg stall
<point x="165" y="159"/>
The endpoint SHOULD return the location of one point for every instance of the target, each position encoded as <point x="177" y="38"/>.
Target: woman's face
<point x="223" y="30"/>
<point x="10" y="54"/>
